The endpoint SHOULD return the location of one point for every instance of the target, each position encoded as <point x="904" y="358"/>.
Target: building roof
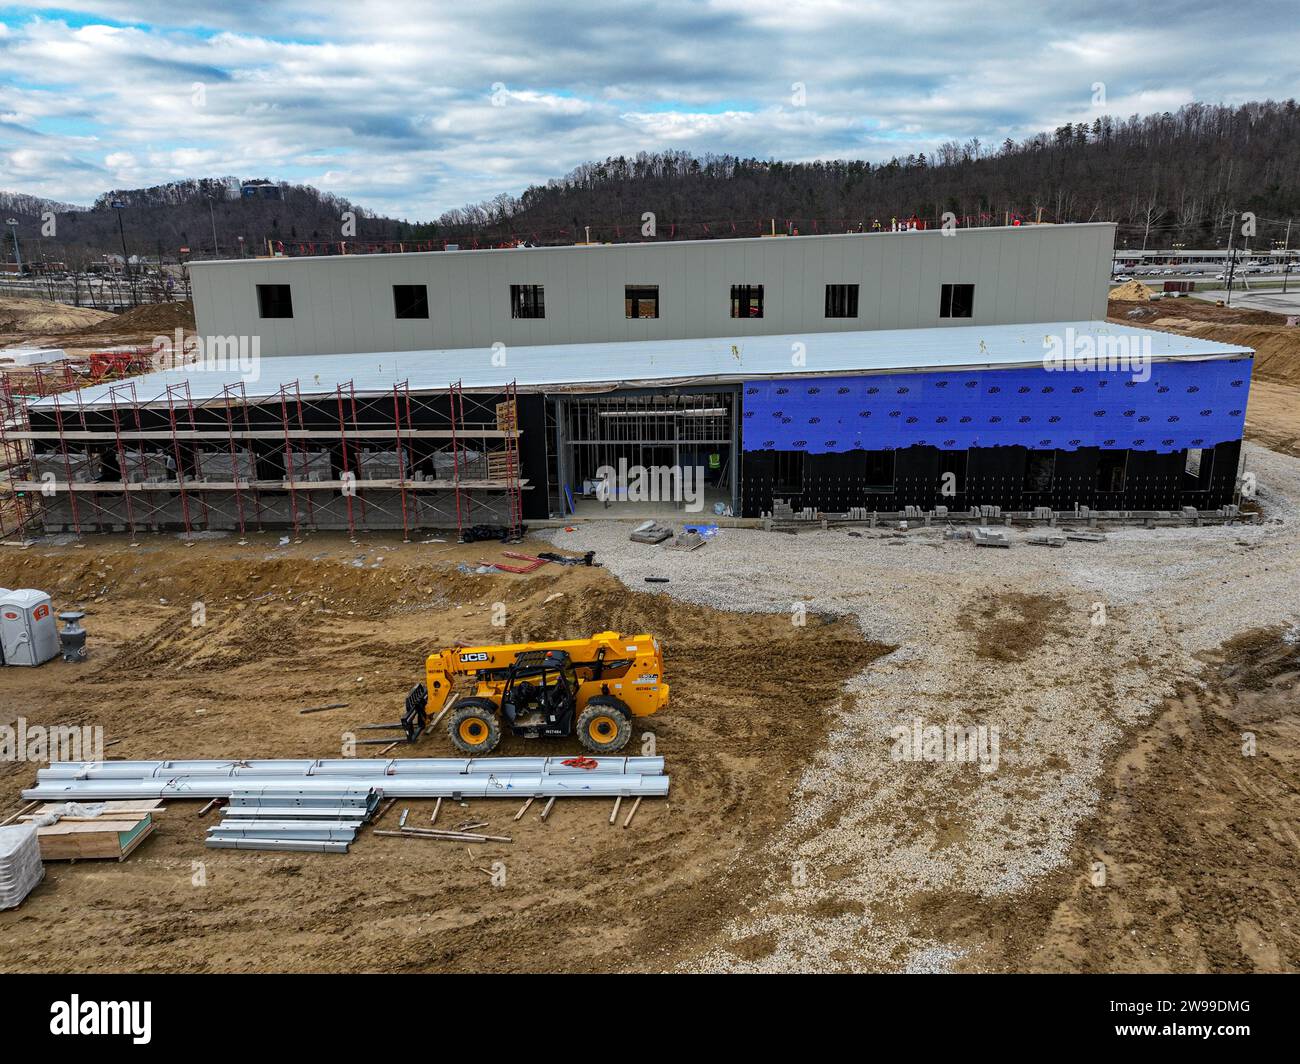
<point x="908" y="234"/>
<point x="634" y="363"/>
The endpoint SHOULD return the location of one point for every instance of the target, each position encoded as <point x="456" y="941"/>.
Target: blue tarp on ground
<point x="1180" y="405"/>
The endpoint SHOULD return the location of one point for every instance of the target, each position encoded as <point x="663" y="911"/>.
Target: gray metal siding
<point x="345" y="304"/>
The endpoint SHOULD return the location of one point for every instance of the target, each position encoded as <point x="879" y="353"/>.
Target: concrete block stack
<point x="84" y="467"/>
<point x="224" y="467"/>
<point x="147" y="467"/>
<point x="381" y="465"/>
<point x="311" y="467"/>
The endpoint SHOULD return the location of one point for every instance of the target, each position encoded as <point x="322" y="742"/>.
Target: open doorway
<point x="654" y="454"/>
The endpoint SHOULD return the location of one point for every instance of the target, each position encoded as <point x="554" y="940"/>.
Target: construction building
<point x="856" y="375"/>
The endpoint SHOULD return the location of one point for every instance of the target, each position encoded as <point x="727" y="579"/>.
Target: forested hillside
<point x="1165" y="178"/>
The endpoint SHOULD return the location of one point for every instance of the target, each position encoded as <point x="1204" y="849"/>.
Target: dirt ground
<point x="1199" y="846"/>
<point x="1189" y="863"/>
<point x="41" y="323"/>
<point x="325" y="622"/>
<point x="1186" y="861"/>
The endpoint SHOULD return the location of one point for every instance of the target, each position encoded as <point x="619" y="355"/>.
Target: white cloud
<point x="390" y="104"/>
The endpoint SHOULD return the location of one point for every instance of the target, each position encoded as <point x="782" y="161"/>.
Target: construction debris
<point x="989" y="537"/>
<point x="20" y="864"/>
<point x="589" y="558"/>
<point x="532" y="563"/>
<point x="1046" y="539"/>
<point x="650" y="532"/>
<point x="443" y="836"/>
<point x="687" y="541"/>
<point x="322" y="709"/>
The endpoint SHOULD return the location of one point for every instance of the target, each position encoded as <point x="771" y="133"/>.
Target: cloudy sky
<point x="411" y="109"/>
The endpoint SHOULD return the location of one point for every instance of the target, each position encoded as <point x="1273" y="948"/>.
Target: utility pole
<point x="213" y="216"/>
<point x="118" y="205"/>
<point x="1232" y="256"/>
<point x="18" y="255"/>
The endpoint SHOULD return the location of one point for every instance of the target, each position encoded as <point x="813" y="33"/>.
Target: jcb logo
<point x="479" y="656"/>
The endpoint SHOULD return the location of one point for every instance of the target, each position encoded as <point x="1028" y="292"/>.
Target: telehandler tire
<point x="473" y="728"/>
<point x="605" y="726"/>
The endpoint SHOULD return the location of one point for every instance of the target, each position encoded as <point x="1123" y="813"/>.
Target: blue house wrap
<point x="1181" y="404"/>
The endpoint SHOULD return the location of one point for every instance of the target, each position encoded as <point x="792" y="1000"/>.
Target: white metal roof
<point x="587" y="249"/>
<point x="631" y="363"/>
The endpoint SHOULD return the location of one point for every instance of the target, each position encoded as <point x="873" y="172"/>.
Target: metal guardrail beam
<point x="515" y="785"/>
<point x="352" y="772"/>
<point x="293" y="845"/>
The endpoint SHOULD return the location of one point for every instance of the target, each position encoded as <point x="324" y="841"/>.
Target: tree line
<point x="1171" y="178"/>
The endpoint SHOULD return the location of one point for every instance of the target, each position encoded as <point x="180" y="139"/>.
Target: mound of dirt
<point x="151" y="318"/>
<point x="1276" y="347"/>
<point x="1275" y="343"/>
<point x="1191" y="309"/>
<point x="1131" y="291"/>
<point x="42" y="316"/>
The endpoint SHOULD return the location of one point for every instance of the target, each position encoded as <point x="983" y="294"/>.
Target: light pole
<point x="1286" y="256"/>
<point x="1232" y="257"/>
<point x="118" y="206"/>
<point x="18" y="255"/>
<point x="212" y="215"/>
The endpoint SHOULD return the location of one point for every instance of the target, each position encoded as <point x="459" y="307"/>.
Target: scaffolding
<point x="297" y="458"/>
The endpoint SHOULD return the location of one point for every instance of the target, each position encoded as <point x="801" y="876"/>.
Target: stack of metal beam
<point x="414" y="777"/>
<point x="279" y="817"/>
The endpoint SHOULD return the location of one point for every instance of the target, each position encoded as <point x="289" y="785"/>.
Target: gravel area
<point x="1056" y="652"/>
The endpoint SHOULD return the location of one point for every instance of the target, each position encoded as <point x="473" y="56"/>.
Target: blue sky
<point x="414" y="109"/>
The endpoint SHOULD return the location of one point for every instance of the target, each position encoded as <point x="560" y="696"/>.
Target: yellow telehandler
<point x="591" y="688"/>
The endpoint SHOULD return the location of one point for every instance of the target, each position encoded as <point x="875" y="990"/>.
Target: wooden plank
<point x="19" y="814"/>
<point x="635" y="806"/>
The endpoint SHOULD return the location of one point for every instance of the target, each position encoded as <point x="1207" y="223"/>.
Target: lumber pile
<point x="105" y="831"/>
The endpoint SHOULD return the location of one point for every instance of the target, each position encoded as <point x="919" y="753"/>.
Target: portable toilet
<point x="28" y="634"/>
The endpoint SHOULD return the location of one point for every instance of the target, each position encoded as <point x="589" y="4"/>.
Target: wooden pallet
<point x="507" y="416"/>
